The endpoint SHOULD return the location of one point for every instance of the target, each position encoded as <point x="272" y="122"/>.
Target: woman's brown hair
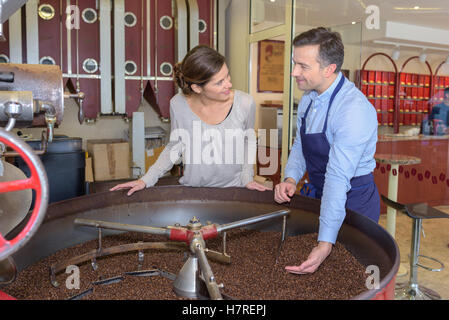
<point x="198" y="67"/>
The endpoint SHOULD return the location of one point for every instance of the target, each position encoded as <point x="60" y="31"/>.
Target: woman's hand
<point x="135" y="185"/>
<point x="253" y="185"/>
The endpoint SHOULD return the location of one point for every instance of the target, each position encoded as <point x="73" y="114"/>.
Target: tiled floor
<point x="434" y="244"/>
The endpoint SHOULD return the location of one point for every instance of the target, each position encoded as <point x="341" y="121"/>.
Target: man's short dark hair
<point x="331" y="48"/>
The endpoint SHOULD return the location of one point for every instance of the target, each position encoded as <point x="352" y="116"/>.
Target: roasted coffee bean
<point x="252" y="274"/>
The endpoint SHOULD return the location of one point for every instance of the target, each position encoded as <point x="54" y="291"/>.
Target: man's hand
<point x="284" y="190"/>
<point x="316" y="257"/>
<point x="254" y="185"/>
<point x="135" y="185"/>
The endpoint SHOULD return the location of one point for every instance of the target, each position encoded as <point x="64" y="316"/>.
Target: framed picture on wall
<point x="270" y="66"/>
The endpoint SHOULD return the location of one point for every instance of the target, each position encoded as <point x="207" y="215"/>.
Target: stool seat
<point x="417" y="210"/>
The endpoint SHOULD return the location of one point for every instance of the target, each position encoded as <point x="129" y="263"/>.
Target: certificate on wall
<point x="270" y="72"/>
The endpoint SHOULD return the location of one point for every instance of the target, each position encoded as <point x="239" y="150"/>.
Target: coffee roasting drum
<point x="167" y="205"/>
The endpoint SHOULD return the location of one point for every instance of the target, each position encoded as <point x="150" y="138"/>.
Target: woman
<point x="204" y="119"/>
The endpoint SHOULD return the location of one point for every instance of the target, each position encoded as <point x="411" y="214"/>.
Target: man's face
<point x="307" y="70"/>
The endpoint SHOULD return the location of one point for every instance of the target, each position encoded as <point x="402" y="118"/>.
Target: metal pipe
<point x="122" y="227"/>
<point x="211" y="284"/>
<point x="10" y="125"/>
<point x="252" y="220"/>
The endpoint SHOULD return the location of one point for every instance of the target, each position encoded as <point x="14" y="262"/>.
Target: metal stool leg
<point x="412" y="291"/>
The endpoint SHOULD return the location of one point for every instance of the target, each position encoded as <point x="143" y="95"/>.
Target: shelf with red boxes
<point x="414" y="96"/>
<point x="440" y="83"/>
<point x="378" y="87"/>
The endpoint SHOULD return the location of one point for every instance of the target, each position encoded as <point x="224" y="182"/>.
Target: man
<point x="335" y="141"/>
<point x="440" y="115"/>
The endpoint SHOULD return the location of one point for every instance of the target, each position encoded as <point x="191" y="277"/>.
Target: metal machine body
<point x="162" y="206"/>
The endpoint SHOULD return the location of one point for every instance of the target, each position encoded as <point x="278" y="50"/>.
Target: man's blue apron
<point x="363" y="197"/>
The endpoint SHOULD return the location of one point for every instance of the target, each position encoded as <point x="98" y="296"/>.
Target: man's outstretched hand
<point x="316" y="257"/>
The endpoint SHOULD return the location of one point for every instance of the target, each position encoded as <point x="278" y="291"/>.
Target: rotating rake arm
<point x="122" y="227"/>
<point x="252" y="220"/>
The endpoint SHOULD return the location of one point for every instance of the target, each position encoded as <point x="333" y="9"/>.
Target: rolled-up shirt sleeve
<point x="352" y="129"/>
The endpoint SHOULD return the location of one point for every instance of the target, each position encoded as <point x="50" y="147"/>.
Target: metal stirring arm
<point x="209" y="279"/>
<point x="122" y="227"/>
<point x="252" y="220"/>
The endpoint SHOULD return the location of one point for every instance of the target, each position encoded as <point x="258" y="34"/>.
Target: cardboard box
<point x="151" y="155"/>
<point x="89" y="174"/>
<point x="111" y="159"/>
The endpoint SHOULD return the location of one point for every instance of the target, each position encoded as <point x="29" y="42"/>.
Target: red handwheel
<point x="37" y="181"/>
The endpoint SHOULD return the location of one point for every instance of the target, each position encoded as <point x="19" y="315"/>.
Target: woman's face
<point x="219" y="86"/>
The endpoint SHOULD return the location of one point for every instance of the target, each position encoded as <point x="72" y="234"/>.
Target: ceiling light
<point x="416" y="7"/>
<point x="396" y="53"/>
<point x="353" y="22"/>
<point x="423" y="57"/>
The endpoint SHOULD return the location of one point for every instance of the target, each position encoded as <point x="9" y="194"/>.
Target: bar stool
<point x="393" y="180"/>
<point x="412" y="290"/>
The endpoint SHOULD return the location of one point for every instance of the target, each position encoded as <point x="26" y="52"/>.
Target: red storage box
<point x="384" y="105"/>
<point x="403" y="78"/>
<point x="408" y="79"/>
<point x="390" y="105"/>
<point x="371" y="76"/>
<point x="378" y="104"/>
<point x="413" y="119"/>
<point x="421" y="80"/>
<point x="378" y="91"/>
<point x="427" y="81"/>
<point x="391" y="91"/>
<point x="407" y="119"/>
<point x="379" y="118"/>
<point x="419" y="107"/>
<point x="419" y="118"/>
<point x="427" y="93"/>
<point x="384" y="119"/>
<point x="390" y="118"/>
<point x="408" y="92"/>
<point x="373" y="102"/>
<point x="407" y="105"/>
<point x="392" y="77"/>
<point x="378" y="76"/>
<point x="370" y="91"/>
<point x="420" y="92"/>
<point x="415" y="93"/>
<point x="401" y="105"/>
<point x="415" y="79"/>
<point x="385" y="77"/>
<point x="364" y="76"/>
<point x="384" y="91"/>
<point x="401" y="119"/>
<point x="413" y="106"/>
